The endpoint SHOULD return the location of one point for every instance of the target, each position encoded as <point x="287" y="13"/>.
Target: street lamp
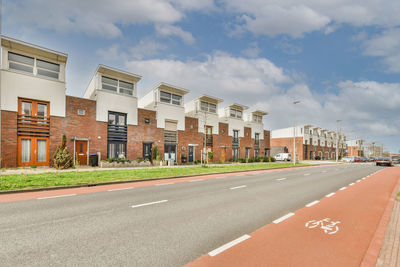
<point x="294" y="133"/>
<point x="337" y="139"/>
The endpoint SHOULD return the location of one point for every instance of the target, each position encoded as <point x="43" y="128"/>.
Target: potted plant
<point x="183" y="158"/>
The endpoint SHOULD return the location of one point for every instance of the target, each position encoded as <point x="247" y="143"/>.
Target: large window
<point x="257" y="118"/>
<point x="27" y="64"/>
<point x="117" y="135"/>
<point x="170" y="98"/>
<point x="235" y="113"/>
<point x="115" y="85"/>
<point x="204" y="106"/>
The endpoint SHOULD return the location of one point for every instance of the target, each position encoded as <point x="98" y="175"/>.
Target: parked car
<point x="395" y="160"/>
<point x="283" y="156"/>
<point x="348" y="159"/>
<point x="364" y="159"/>
<point x="357" y="159"/>
<point x="384" y="161"/>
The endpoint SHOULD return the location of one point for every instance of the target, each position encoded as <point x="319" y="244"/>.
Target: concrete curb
<point x="371" y="256"/>
<point x="136" y="181"/>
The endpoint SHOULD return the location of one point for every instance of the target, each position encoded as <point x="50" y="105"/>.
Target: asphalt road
<point x="162" y="225"/>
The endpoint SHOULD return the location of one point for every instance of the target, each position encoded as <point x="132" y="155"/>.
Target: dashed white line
<point x="343" y="188"/>
<point x="351" y="184"/>
<point x="164" y="184"/>
<point x="329" y="195"/>
<point x="237" y="187"/>
<point x="312" y="203"/>
<point x="70" y="195"/>
<point x="281" y="219"/>
<point x="358" y="181"/>
<point x="149" y="203"/>
<point x="324" y="171"/>
<point x="228" y="245"/>
<point x="119" y="189"/>
<point x="281" y="179"/>
<point x="192" y="181"/>
<point x="307" y="174"/>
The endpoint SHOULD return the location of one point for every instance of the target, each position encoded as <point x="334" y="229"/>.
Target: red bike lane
<point x="345" y="224"/>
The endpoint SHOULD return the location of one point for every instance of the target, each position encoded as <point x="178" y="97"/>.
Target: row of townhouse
<point x="310" y="142"/>
<point x="110" y="120"/>
<point x="355" y="148"/>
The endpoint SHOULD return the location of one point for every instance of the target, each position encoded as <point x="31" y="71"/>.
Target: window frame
<point x="235" y="113"/>
<point x="170" y="98"/>
<point x="120" y="88"/>
<point x="207" y="107"/>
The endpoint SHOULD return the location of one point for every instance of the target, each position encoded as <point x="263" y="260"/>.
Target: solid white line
<point x="119" y="189"/>
<point x="196" y="180"/>
<point x="307" y="174"/>
<point x="329" y="195"/>
<point x="351" y="184"/>
<point x="70" y="195"/>
<point x="358" y="181"/>
<point x="312" y="203"/>
<point x="281" y="179"/>
<point x="228" y="245"/>
<point x="237" y="187"/>
<point x="343" y="188"/>
<point x="363" y="178"/>
<point x="281" y="219"/>
<point x="150" y="203"/>
<point x="165" y="184"/>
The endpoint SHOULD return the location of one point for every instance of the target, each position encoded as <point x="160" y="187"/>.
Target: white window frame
<point x="235" y="113"/>
<point x="206" y="106"/>
<point x="171" y="98"/>
<point x="119" y="86"/>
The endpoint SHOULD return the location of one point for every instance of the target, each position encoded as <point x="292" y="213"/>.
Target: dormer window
<point x="115" y="85"/>
<point x="170" y="98"/>
<point x="27" y="64"/>
<point x="257" y="118"/>
<point x="235" y="113"/>
<point x="205" y="106"/>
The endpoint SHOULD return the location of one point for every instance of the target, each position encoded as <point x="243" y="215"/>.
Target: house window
<point x="170" y="98"/>
<point x="204" y="106"/>
<point x="235" y="153"/>
<point x="235" y="113"/>
<point x="27" y="64"/>
<point x="115" y="85"/>
<point x="247" y="152"/>
<point x="257" y="118"/>
<point x="117" y="132"/>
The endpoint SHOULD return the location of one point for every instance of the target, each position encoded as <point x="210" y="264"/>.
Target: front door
<point x="81" y="154"/>
<point x="223" y="152"/>
<point x="191" y="153"/>
<point x="147" y="151"/>
<point x="33" y="151"/>
<point x="170" y="152"/>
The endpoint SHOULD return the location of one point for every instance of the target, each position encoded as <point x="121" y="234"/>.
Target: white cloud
<point x="252" y="51"/>
<point x="146" y="48"/>
<point x="387" y="46"/>
<point x="171" y="30"/>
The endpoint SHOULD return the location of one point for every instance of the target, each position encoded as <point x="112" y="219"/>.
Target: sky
<point x="339" y="58"/>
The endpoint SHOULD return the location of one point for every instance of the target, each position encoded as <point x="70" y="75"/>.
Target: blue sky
<point x="340" y="58"/>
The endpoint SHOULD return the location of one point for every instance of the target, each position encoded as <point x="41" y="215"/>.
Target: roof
<point x="15" y="44"/>
<point x="172" y="88"/>
<point x="260" y="112"/>
<point x="124" y="75"/>
<point x="210" y="99"/>
<point x="238" y="106"/>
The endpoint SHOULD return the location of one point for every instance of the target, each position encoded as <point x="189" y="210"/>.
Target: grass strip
<point x="42" y="180"/>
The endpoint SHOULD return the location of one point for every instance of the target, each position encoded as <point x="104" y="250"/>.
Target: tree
<point x="62" y="159"/>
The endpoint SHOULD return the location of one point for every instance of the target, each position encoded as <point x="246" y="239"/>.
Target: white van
<point x="283" y="156"/>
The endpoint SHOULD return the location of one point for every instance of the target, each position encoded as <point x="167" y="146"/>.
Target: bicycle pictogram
<point x="329" y="227"/>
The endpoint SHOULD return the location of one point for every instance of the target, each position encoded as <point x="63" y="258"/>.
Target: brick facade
<point x="9" y="146"/>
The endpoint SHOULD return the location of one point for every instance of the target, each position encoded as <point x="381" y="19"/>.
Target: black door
<point x="191" y="153"/>
<point x="147" y="151"/>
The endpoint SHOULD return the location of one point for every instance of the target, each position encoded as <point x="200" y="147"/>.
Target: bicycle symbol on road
<point x="329" y="227"/>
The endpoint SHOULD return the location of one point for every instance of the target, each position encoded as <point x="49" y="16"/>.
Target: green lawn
<point x="20" y="181"/>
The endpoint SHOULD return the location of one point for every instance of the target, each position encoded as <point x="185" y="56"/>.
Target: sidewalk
<point x="336" y="230"/>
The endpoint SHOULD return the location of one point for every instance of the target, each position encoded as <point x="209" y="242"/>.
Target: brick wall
<point x="288" y="142"/>
<point x="246" y="142"/>
<point x="191" y="135"/>
<point x="222" y="141"/>
<point x="9" y="148"/>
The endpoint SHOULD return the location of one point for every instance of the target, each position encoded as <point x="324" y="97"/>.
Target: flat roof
<point x="172" y="88"/>
<point x="106" y="70"/>
<point x="15" y="44"/>
<point x="238" y="106"/>
<point x="211" y="99"/>
<point x="260" y="112"/>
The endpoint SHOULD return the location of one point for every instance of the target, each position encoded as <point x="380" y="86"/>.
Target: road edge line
<point x="228" y="245"/>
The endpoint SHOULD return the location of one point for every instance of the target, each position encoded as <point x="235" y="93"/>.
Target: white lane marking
<point x="281" y="179"/>
<point x="312" y="203"/>
<point x="281" y="219"/>
<point x="324" y="171"/>
<point x="119" y="189"/>
<point x="70" y="195"/>
<point x="307" y="174"/>
<point x="192" y="181"/>
<point x="228" y="245"/>
<point x="149" y="203"/>
<point x="363" y="178"/>
<point x="343" y="188"/>
<point x="329" y="195"/>
<point x="237" y="187"/>
<point x="358" y="181"/>
<point x="164" y="184"/>
<point x="351" y="184"/>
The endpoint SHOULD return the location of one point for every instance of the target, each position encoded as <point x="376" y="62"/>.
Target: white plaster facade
<point x="233" y="123"/>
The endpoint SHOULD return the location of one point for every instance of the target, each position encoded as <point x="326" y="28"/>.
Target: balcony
<point x="235" y="141"/>
<point x="209" y="140"/>
<point x="256" y="143"/>
<point x="33" y="126"/>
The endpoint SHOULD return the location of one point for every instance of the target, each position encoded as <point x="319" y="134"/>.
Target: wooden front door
<point x="33" y="151"/>
<point x="81" y="154"/>
<point x="223" y="152"/>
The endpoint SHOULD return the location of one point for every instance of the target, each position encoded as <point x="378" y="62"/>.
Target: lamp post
<point x="294" y="134"/>
<point x="337" y="139"/>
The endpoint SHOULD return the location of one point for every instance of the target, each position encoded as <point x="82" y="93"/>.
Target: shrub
<point x="62" y="159"/>
<point x="272" y="159"/>
<point x="258" y="159"/>
<point x="251" y="160"/>
<point x="139" y="160"/>
<point x="210" y="155"/>
<point x="156" y="154"/>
